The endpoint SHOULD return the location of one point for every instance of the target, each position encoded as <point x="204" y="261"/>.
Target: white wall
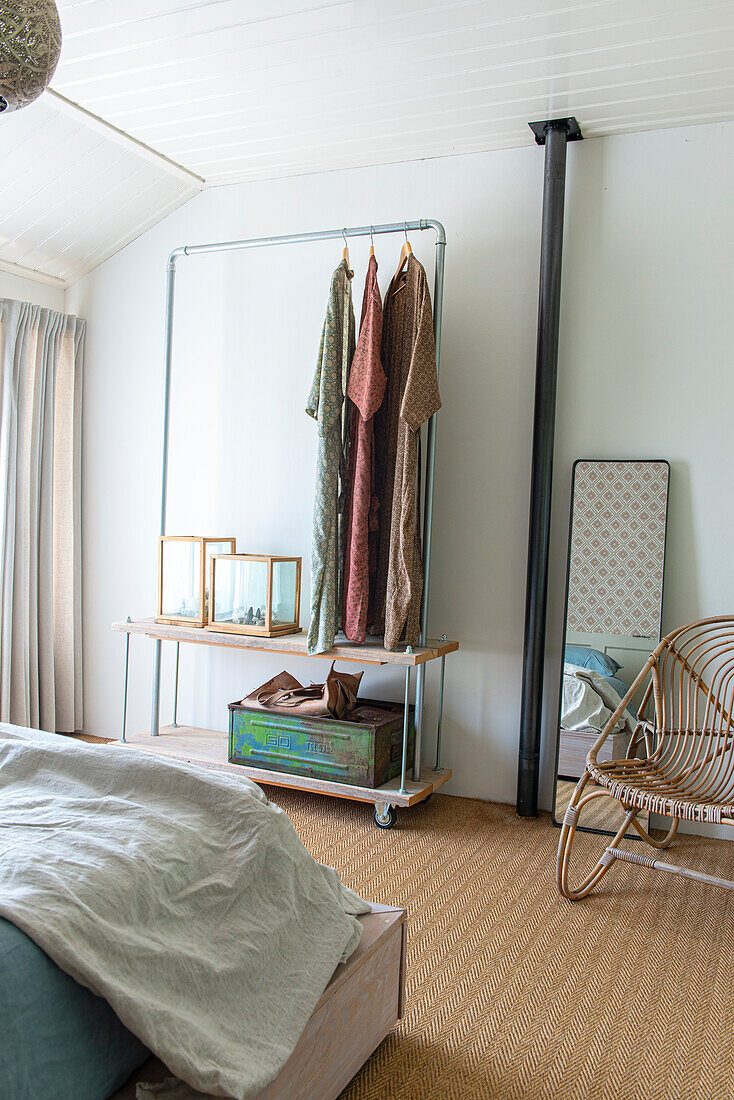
<point x="646" y="349"/>
<point x="28" y="290"/>
<point x="645" y="371"/>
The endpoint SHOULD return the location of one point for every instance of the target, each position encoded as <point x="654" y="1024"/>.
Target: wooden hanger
<point x="405" y="252"/>
<point x="372" y="241"/>
<point x="345" y="253"/>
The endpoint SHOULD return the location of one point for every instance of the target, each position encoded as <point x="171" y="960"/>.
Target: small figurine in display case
<point x="255" y="594"/>
<point x="183" y="577"/>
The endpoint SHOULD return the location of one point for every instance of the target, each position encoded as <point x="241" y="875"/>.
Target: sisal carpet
<point x="600" y="813"/>
<point x="516" y="994"/>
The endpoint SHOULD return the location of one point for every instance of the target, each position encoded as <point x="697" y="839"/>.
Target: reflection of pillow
<point x="585" y="657"/>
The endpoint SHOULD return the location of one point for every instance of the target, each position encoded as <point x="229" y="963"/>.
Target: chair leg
<point x="568" y="832"/>
<point x="667" y="839"/>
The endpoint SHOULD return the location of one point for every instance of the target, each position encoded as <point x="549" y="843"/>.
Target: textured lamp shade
<point x="30" y="44"/>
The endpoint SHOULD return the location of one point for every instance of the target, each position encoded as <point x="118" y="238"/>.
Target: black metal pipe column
<point x="554" y="134"/>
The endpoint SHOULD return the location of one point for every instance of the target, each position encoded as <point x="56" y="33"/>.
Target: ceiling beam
<point x="93" y="122"/>
<point x="35" y="276"/>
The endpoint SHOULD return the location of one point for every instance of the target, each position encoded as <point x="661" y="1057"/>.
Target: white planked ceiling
<point x="72" y="193"/>
<point x="236" y="90"/>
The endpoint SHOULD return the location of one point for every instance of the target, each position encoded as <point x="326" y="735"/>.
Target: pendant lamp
<point x="30" y="45"/>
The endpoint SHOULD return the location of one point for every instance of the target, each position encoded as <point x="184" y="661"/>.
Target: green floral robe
<point x="327" y="405"/>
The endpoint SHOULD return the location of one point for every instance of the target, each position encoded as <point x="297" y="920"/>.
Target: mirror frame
<point x="556" y="753"/>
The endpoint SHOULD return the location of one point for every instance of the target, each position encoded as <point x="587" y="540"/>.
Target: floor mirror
<point x="614" y="595"/>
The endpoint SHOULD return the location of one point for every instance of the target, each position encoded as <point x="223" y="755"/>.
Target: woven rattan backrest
<point x="693" y="683"/>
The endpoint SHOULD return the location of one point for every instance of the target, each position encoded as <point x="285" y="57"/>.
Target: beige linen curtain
<point x="41" y="359"/>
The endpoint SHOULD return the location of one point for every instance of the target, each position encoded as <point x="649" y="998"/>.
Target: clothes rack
<point x="429" y="650"/>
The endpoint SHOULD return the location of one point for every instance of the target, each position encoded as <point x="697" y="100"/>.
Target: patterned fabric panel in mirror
<point x="618" y="547"/>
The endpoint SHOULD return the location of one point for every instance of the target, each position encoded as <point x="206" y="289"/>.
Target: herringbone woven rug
<point x="600" y="813"/>
<point x="514" y="993"/>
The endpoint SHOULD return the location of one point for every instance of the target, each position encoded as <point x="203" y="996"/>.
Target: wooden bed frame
<point x="359" y="1007"/>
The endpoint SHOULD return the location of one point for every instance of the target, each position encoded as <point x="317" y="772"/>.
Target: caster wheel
<point x="387" y="821"/>
<point x="427" y="800"/>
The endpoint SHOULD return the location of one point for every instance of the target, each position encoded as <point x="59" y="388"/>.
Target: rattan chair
<point x="680" y="759"/>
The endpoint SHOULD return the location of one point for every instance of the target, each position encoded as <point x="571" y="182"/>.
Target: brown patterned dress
<point x="409" y="360"/>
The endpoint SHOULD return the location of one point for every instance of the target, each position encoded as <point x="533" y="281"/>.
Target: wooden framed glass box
<point x="255" y="594"/>
<point x="183" y="574"/>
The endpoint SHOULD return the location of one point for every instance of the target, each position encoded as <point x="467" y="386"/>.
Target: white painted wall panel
<point x="71" y="195"/>
<point x="233" y="91"/>
<point x="251" y="92"/>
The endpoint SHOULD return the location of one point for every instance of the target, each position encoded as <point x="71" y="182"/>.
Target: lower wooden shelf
<point x="208" y="748"/>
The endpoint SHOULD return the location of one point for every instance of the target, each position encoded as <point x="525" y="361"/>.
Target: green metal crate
<point x="363" y="749"/>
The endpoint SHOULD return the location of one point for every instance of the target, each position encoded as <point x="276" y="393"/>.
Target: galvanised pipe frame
<point x="304" y="238"/>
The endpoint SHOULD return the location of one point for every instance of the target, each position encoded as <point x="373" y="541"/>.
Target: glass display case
<point x="255" y="594"/>
<point x="183" y="577"/>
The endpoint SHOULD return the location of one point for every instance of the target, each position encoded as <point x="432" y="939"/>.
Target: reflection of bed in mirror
<point x="583" y="650"/>
<point x="613" y="609"/>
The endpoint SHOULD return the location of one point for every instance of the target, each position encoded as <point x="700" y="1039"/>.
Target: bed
<point x="591" y="690"/>
<point x="150" y="907"/>
<point x="358" y="1008"/>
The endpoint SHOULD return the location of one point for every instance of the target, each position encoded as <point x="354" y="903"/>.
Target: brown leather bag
<point x="333" y="699"/>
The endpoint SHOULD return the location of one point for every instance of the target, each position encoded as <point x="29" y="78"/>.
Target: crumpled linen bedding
<point x="589" y="701"/>
<point x="179" y="894"/>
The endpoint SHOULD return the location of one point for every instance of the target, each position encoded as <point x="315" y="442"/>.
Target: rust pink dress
<point x="365" y="389"/>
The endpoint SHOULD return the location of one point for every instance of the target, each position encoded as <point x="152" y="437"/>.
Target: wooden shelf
<point x="371" y="653"/>
<point x="208" y="748"/>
